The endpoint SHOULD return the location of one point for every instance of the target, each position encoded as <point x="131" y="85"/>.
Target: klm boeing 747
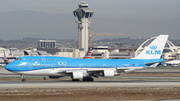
<point x="86" y="69"/>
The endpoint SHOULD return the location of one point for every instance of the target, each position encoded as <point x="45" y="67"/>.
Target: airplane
<point x="86" y="69"/>
<point x="7" y="61"/>
<point x="172" y="62"/>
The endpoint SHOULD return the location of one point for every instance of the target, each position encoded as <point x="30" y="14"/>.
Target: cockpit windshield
<point x="18" y="59"/>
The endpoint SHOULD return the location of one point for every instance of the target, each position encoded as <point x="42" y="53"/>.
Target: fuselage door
<point x="104" y="65"/>
<point x="43" y="59"/>
<point x="53" y="67"/>
<point x="30" y="67"/>
<point x="81" y="66"/>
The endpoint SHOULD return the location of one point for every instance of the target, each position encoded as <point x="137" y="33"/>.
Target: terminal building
<point x="103" y="52"/>
<point x="14" y="53"/>
<point x="47" y="44"/>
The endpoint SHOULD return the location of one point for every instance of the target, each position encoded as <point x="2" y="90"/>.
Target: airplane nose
<point x="7" y="67"/>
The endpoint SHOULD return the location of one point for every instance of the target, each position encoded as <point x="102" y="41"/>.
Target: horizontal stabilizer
<point x="154" y="62"/>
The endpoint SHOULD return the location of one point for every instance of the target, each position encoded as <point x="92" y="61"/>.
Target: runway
<point x="95" y="84"/>
<point x="121" y="81"/>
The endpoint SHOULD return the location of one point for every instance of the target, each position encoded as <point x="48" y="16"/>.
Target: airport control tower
<point x="83" y="13"/>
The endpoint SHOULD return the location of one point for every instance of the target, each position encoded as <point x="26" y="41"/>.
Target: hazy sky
<point x="140" y="10"/>
<point x="159" y="9"/>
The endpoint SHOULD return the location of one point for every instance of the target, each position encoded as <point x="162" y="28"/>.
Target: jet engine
<point x="108" y="73"/>
<point x="77" y="75"/>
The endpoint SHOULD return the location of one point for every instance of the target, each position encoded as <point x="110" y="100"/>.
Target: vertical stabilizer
<point x="154" y="49"/>
<point x="131" y="56"/>
<point x="5" y="58"/>
<point x="88" y="54"/>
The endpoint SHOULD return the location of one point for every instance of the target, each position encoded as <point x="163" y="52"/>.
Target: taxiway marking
<point x="107" y="86"/>
<point x="176" y="85"/>
<point x="32" y="87"/>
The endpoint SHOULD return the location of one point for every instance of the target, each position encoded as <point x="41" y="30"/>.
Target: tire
<point x="23" y="80"/>
<point x="88" y="79"/>
<point x="75" y="79"/>
<point x="91" y="79"/>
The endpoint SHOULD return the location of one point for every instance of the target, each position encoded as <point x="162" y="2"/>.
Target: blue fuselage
<point x="31" y="63"/>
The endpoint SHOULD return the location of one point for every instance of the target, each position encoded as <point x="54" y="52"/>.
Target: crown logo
<point x="36" y="63"/>
<point x="153" y="47"/>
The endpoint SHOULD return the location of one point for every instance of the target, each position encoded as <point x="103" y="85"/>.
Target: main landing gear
<point x="84" y="79"/>
<point x="88" y="79"/>
<point x="75" y="79"/>
<point x="23" y="78"/>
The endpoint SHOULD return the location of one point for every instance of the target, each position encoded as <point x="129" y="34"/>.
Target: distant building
<point x="47" y="44"/>
<point x="100" y="49"/>
<point x="13" y="53"/>
<point x="103" y="52"/>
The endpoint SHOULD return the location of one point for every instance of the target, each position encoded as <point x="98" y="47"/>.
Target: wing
<point x="96" y="72"/>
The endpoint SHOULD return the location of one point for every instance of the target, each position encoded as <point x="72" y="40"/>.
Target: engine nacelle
<point x="108" y="73"/>
<point x="77" y="75"/>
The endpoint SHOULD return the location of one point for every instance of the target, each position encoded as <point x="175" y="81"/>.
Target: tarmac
<point x="13" y="82"/>
<point x="118" y="81"/>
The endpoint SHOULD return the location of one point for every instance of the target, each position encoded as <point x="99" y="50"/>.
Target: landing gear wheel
<point x="91" y="79"/>
<point x="23" y="80"/>
<point x="88" y="79"/>
<point x="75" y="79"/>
